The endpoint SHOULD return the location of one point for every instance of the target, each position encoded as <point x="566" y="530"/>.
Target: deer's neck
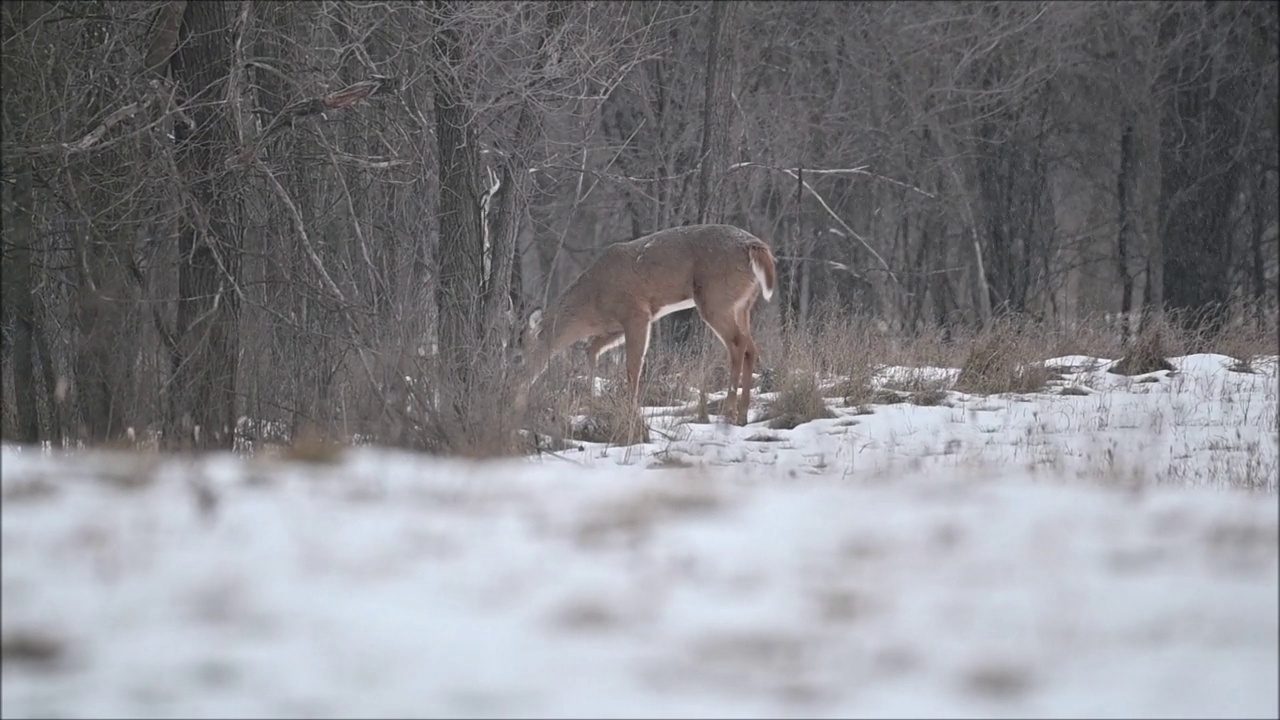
<point x="560" y="329"/>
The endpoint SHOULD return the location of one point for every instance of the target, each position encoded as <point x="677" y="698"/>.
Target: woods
<point x="238" y="219"/>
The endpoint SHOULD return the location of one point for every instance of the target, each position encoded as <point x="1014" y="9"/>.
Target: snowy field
<point x="1110" y="550"/>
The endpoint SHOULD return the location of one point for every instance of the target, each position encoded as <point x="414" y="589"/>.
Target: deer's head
<point x="526" y="335"/>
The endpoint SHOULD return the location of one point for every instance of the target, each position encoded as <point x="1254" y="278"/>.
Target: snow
<point x="1037" y="555"/>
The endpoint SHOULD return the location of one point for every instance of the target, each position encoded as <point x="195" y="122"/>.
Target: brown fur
<point x="619" y="296"/>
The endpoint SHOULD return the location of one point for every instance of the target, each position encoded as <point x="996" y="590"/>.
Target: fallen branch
<point x="344" y="99"/>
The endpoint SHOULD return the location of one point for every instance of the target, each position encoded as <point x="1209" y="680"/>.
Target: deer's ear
<point x="535" y="318"/>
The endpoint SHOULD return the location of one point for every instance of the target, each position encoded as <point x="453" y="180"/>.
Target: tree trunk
<point x="717" y="109"/>
<point x="98" y="318"/>
<point x="465" y="275"/>
<point x="1124" y="231"/>
<point x="460" y="249"/>
<point x="1257" y="265"/>
<point x="476" y="258"/>
<point x="1146" y="210"/>
<point x="18" y="242"/>
<point x="18" y="300"/>
<point x="203" y="411"/>
<point x="1200" y="179"/>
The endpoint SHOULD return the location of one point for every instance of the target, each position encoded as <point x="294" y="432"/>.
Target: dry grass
<point x="839" y="347"/>
<point x="1008" y="357"/>
<point x="385" y="395"/>
<point x="1240" y="335"/>
<point x="556" y="399"/>
<point x="929" y="397"/>
<point x="700" y="371"/>
<point x="885" y="396"/>
<point x="1243" y="366"/>
<point x="797" y="401"/>
<point x="849" y="351"/>
<point x="610" y="419"/>
<point x="1145" y="355"/>
<point x="668" y="378"/>
<point x="313" y="446"/>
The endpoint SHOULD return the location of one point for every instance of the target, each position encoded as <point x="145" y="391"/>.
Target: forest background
<point x="221" y="217"/>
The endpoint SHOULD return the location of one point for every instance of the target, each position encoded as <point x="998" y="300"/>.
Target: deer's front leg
<point x="597" y="347"/>
<point x="636" y="332"/>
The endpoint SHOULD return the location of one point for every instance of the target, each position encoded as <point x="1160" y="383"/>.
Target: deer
<point x="718" y="269"/>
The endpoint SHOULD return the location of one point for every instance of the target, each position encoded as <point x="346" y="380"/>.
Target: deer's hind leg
<point x="724" y="324"/>
<point x="749" y="355"/>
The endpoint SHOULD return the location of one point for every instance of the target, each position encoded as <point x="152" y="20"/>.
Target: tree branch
<point x="343" y="99"/>
<point x="794" y="175"/>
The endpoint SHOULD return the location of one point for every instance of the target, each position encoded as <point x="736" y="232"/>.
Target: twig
<point x="300" y="226"/>
<point x="834" y="216"/>
<point x="843" y="171"/>
<point x="93" y="136"/>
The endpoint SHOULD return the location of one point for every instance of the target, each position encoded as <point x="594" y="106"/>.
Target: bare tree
<point x="19" y="306"/>
<point x="209" y="237"/>
<point x="1202" y="154"/>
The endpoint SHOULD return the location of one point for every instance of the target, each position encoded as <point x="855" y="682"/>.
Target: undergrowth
<point x="389" y="398"/>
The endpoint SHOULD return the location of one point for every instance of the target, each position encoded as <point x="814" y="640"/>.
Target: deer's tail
<point x="763" y="267"/>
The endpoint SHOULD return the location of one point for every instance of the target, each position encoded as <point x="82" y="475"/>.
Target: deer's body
<point x="719" y="269"/>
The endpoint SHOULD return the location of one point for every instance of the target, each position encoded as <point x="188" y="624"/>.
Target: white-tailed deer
<point x="719" y="269"/>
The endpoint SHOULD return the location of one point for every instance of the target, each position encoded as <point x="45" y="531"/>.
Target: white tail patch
<point x="765" y="290"/>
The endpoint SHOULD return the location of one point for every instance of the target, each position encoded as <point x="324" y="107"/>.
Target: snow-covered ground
<point x="1110" y="552"/>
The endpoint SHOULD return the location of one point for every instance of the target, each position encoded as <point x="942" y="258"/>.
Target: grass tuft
<point x="797" y="401"/>
<point x="1146" y="355"/>
<point x="610" y="419"/>
<point x="313" y="447"/>
<point x="667" y="379"/>
<point x="929" y="397"/>
<point x="1003" y="359"/>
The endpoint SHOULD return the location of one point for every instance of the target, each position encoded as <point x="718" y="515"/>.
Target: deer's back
<point x="663" y="268"/>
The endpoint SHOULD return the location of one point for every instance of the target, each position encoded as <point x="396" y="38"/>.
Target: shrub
<point x="797" y="401"/>
<point x="1002" y="359"/>
<point x="610" y="418"/>
<point x="1145" y="355"/>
